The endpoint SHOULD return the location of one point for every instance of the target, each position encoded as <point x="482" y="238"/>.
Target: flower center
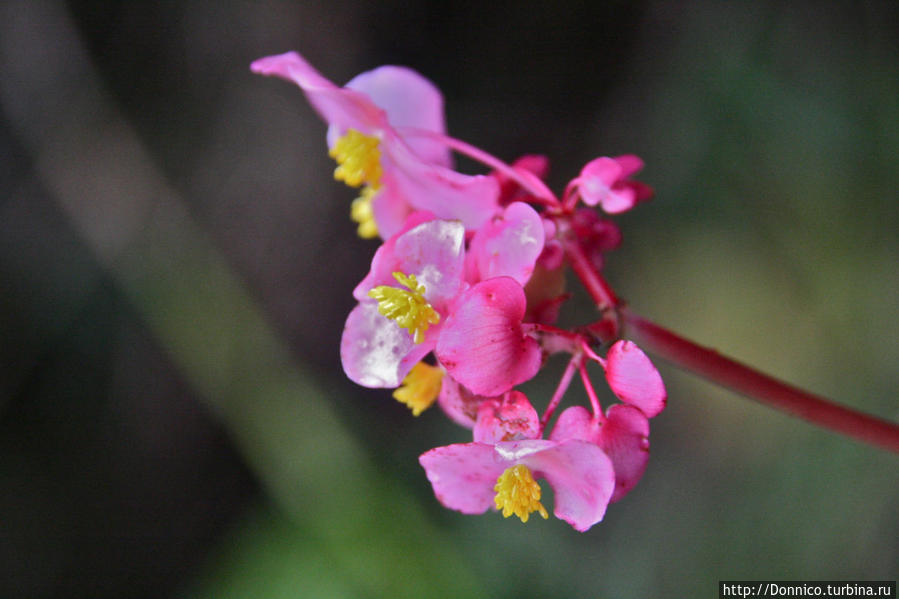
<point x="359" y="159"/>
<point x="409" y="309"/>
<point x="420" y="387"/>
<point x="518" y="493"/>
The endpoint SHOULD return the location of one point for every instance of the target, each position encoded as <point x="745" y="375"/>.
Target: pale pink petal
<point x="625" y="438"/>
<point x="482" y="344"/>
<point x="409" y="100"/>
<point x="376" y="352"/>
<point x="618" y="199"/>
<point x="433" y="251"/>
<point x="509" y="244"/>
<point x="582" y="478"/>
<point x="509" y="418"/>
<point x="463" y="475"/>
<point x="342" y="108"/>
<point x="390" y="210"/>
<point x="634" y="379"/>
<point x="596" y="179"/>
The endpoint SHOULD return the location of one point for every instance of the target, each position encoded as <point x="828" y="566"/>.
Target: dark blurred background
<point x="176" y="263"/>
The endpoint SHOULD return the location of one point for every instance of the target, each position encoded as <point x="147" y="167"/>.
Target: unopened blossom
<point x="371" y="133"/>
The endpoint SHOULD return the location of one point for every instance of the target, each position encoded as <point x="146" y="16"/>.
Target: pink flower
<point x="414" y="278"/>
<point x="634" y="379"/>
<point x="605" y="181"/>
<point x="399" y="172"/>
<point x="623" y="436"/>
<point x="473" y="477"/>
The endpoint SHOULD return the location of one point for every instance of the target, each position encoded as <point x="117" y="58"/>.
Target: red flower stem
<point x="713" y="366"/>
<point x="596" y="286"/>
<point x="591" y="393"/>
<point x="564" y="383"/>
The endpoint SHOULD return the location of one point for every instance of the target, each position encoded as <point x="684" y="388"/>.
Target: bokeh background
<point x="176" y="264"/>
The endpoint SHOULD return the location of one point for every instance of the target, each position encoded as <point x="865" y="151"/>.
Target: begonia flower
<point x="605" y="181"/>
<point x="623" y="435"/>
<point x="403" y="301"/>
<point x="474" y="477"/>
<point x="398" y="173"/>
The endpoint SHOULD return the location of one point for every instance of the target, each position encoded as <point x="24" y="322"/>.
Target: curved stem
<point x="525" y="179"/>
<point x="769" y="391"/>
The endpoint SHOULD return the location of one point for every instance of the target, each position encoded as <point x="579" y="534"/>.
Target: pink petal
<point x="409" y="100"/>
<point x="582" y="478"/>
<point x="375" y="352"/>
<point x="634" y="379"/>
<point x="463" y="475"/>
<point x="509" y="244"/>
<point x="596" y="178"/>
<point x="629" y="164"/>
<point x="509" y="418"/>
<point x="433" y="251"/>
<point x="575" y="423"/>
<point x="625" y="438"/>
<point x="460" y="404"/>
<point x="482" y="344"/>
<point x="346" y="109"/>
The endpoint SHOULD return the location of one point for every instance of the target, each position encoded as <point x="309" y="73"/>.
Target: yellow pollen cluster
<point x="358" y="158"/>
<point x="409" y="309"/>
<point x="518" y="493"/>
<point x="420" y="387"/>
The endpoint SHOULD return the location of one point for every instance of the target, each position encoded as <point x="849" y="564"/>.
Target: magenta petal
<point x="509" y="244"/>
<point x="375" y="352"/>
<point x="625" y="438"/>
<point x="463" y="475"/>
<point x="582" y="478"/>
<point x="634" y="379"/>
<point x="596" y="178"/>
<point x="509" y="418"/>
<point x="482" y="344"/>
<point x="409" y="100"/>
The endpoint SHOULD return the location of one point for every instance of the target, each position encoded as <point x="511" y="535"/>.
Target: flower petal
<point x="346" y="109"/>
<point x="375" y="352"/>
<point x="433" y="251"/>
<point x="582" y="478"/>
<point x="463" y="475"/>
<point x="625" y="438"/>
<point x="509" y="418"/>
<point x="410" y="100"/>
<point x="634" y="379"/>
<point x="509" y="244"/>
<point x="482" y="344"/>
<point x="460" y="404"/>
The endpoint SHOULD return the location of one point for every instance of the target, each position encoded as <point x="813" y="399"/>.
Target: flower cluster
<point x="460" y="304"/>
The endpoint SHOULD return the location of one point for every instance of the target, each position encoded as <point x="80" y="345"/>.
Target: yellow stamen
<point x="409" y="309"/>
<point x="518" y="493"/>
<point x="361" y="212"/>
<point x="420" y="387"/>
<point x="359" y="159"/>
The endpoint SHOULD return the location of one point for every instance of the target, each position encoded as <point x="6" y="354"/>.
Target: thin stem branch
<point x="595" y="285"/>
<point x="564" y="383"/>
<point x="525" y="179"/>
<point x="591" y="393"/>
<point x="769" y="391"/>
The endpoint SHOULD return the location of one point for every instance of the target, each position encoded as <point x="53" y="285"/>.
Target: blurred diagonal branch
<point x="94" y="164"/>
